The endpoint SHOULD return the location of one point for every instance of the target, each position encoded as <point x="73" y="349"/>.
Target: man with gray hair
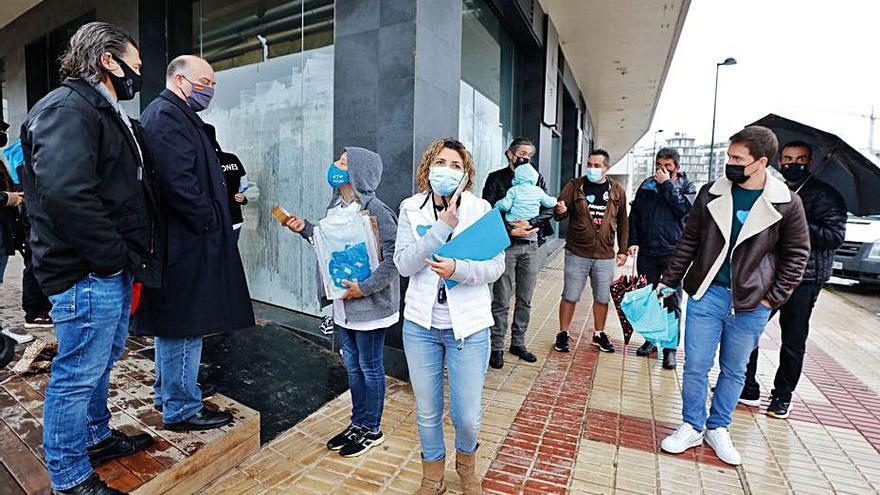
<point x="204" y="288"/>
<point x="91" y="211"/>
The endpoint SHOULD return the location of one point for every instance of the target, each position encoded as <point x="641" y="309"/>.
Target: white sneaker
<point x="685" y="437"/>
<point x="19" y="338"/>
<point x="719" y="440"/>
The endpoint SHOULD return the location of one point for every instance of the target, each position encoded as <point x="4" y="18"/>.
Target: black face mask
<point x="736" y="173"/>
<point x="795" y="172"/>
<point x="4" y="138"/>
<point x="128" y="84"/>
<point x="519" y="160"/>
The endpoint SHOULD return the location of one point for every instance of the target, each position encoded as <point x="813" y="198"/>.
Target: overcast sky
<point x="814" y="61"/>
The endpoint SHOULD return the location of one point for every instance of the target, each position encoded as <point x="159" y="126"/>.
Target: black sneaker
<point x="778" y="409"/>
<point x="748" y="398"/>
<point x="601" y="341"/>
<point x="342" y="439"/>
<point x="562" y="340"/>
<point x="41" y="320"/>
<point x="523" y="354"/>
<point x="646" y="349"/>
<point x="361" y="442"/>
<point x="327" y="325"/>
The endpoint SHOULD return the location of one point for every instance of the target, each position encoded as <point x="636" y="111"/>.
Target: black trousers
<point x="654" y="266"/>
<point x="33" y="301"/>
<point x="794" y="320"/>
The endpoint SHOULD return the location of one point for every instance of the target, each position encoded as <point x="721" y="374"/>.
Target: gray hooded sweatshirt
<point x="382" y="289"/>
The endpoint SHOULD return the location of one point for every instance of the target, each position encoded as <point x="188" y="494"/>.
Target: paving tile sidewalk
<point x="590" y="423"/>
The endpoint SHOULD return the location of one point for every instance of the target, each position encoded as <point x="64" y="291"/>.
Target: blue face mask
<point x="336" y="176"/>
<point x="444" y="180"/>
<point x="593" y="174"/>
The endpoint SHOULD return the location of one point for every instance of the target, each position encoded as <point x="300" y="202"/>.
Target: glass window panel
<point x="486" y="106"/>
<point x="3" y="100"/>
<point x="274" y="108"/>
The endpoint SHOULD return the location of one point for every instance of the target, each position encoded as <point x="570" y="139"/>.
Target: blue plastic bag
<point x="646" y="313"/>
<point x="14" y="157"/>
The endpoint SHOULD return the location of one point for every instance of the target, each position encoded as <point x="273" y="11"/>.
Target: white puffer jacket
<point x="419" y="235"/>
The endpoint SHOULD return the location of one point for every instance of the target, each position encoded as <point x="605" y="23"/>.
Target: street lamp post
<point x="654" y="148"/>
<point x="727" y="61"/>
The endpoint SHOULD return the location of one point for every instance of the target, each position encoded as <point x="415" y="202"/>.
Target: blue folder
<point x="482" y="241"/>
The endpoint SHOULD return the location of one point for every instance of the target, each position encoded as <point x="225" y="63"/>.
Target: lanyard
<point x="441" y="291"/>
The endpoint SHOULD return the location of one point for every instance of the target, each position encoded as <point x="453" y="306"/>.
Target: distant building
<point x="720" y="152"/>
<point x="694" y="159"/>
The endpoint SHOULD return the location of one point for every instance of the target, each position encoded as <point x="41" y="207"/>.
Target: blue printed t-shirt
<point x="743" y="200"/>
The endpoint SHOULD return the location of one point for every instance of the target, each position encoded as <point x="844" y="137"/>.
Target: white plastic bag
<point x="347" y="249"/>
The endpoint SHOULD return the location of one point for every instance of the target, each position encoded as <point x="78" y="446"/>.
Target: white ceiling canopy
<point x="620" y="52"/>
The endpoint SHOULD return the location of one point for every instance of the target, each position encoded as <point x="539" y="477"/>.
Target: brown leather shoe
<point x="432" y="477"/>
<point x="465" y="466"/>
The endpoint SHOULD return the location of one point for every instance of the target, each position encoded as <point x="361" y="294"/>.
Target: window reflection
<point x="274" y="108"/>
<point x="486" y="106"/>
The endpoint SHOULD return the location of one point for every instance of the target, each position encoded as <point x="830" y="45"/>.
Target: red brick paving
<point x="539" y="451"/>
<point x="538" y="454"/>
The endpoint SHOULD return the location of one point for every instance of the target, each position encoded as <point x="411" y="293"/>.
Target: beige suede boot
<point x="432" y="477"/>
<point x="465" y="466"/>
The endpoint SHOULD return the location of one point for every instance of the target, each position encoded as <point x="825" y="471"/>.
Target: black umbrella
<point x="834" y="162"/>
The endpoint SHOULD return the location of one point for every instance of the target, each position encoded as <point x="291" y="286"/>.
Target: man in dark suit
<point x="204" y="290"/>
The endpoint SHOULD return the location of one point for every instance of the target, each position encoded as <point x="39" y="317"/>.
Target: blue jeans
<point x="177" y="373"/>
<point x="91" y="322"/>
<point x="426" y="351"/>
<point x="362" y="352"/>
<point x="4" y="260"/>
<point x="711" y="321"/>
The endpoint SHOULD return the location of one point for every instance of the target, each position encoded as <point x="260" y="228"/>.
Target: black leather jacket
<point x="90" y="201"/>
<point x="826" y="217"/>
<point x="496" y="188"/>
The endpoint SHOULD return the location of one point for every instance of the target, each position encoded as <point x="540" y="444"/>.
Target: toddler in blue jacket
<point x="524" y="199"/>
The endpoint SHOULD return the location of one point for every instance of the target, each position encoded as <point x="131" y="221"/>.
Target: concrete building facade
<point x="298" y="80"/>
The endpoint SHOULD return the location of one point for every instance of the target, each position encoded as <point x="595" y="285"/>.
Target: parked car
<point x="859" y="257"/>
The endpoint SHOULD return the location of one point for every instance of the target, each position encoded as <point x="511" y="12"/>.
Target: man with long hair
<point x="90" y="207"/>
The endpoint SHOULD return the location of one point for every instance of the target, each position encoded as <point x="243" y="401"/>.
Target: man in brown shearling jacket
<point x="744" y="250"/>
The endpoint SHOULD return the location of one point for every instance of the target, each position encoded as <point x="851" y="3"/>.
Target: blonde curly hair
<point x="430" y="154"/>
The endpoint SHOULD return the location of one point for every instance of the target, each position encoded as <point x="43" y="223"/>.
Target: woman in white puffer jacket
<point x="445" y="325"/>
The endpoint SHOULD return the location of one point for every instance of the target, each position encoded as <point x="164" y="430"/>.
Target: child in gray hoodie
<point x="369" y="307"/>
